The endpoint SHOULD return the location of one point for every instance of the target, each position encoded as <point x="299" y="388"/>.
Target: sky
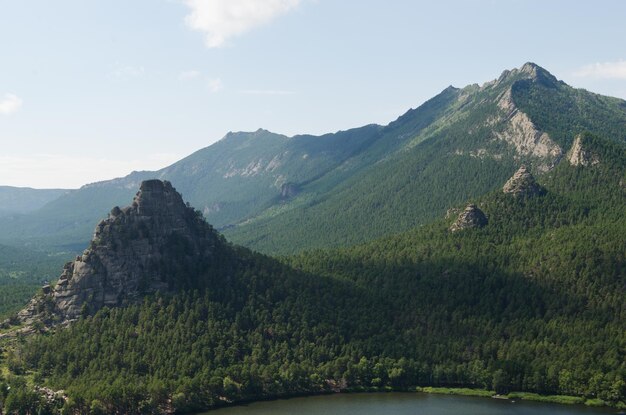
<point x="94" y="89"/>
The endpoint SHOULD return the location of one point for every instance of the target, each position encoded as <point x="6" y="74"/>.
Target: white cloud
<point x="63" y="171"/>
<point x="220" y="20"/>
<point x="189" y="75"/>
<point x="605" y="70"/>
<point x="9" y="104"/>
<point x="266" y="92"/>
<point x="215" y="85"/>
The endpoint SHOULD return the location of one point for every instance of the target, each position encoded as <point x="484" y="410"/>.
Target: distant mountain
<point x="283" y="194"/>
<point x="16" y="200"/>
<point x="239" y="176"/>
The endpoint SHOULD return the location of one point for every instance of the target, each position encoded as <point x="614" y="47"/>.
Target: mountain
<point x="236" y="177"/>
<point x="155" y="244"/>
<point x="159" y="252"/>
<point x="527" y="295"/>
<point x="283" y="194"/>
<point x="481" y="136"/>
<point x="280" y="194"/>
<point x="15" y="200"/>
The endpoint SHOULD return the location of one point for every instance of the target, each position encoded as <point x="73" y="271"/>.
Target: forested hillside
<point x="22" y="272"/>
<point x="532" y="301"/>
<point x="525" y="116"/>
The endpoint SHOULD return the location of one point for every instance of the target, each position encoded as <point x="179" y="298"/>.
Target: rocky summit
<point x="158" y="243"/>
<point x="522" y="183"/>
<point x="471" y="217"/>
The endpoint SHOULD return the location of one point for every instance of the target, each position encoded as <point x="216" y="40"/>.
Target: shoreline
<point x="523" y="396"/>
<point x="480" y="393"/>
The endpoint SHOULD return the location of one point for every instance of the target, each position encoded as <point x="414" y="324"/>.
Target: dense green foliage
<point x="263" y="333"/>
<point x="20" y="265"/>
<point x="14" y="297"/>
<point x="22" y="271"/>
<point x="532" y="302"/>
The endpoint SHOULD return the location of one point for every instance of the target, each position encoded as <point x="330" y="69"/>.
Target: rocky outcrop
<point x="580" y="156"/>
<point x="156" y="244"/>
<point x="471" y="217"/>
<point x="528" y="141"/>
<point x="289" y="190"/>
<point x="522" y="183"/>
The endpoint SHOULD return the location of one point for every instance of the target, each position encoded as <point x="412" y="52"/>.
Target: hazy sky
<point x="93" y="89"/>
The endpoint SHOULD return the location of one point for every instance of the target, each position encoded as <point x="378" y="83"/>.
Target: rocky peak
<point x="471" y="217"/>
<point x="580" y="156"/>
<point x="522" y="183"/>
<point x="517" y="129"/>
<point x="532" y="70"/>
<point x="158" y="243"/>
<point x="529" y="71"/>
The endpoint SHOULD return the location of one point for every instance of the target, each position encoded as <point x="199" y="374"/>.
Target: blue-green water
<point x="405" y="404"/>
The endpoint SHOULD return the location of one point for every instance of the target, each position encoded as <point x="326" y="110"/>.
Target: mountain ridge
<point x="481" y="133"/>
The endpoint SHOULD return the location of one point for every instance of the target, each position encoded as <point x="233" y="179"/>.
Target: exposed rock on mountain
<point x="156" y="244"/>
<point x="522" y="134"/>
<point x="288" y="190"/>
<point x="580" y="156"/>
<point x="522" y="183"/>
<point x="471" y="217"/>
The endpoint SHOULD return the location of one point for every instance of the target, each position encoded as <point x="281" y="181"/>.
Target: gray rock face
<point x="289" y="190"/>
<point x="471" y="217"/>
<point x="524" y="135"/>
<point x="522" y="183"/>
<point x="580" y="156"/>
<point x="156" y="244"/>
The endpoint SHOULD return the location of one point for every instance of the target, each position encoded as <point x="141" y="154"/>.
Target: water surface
<point x="405" y="404"/>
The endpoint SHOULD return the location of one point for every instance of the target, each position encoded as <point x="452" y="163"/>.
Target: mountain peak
<point x="157" y="243"/>
<point x="471" y="217"/>
<point x="522" y="183"/>
<point x="531" y="68"/>
<point x="530" y="71"/>
<point x="157" y="197"/>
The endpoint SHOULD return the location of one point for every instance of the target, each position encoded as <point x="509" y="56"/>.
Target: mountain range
<point x="279" y="194"/>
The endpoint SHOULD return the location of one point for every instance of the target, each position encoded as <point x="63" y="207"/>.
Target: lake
<point x="405" y="404"/>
